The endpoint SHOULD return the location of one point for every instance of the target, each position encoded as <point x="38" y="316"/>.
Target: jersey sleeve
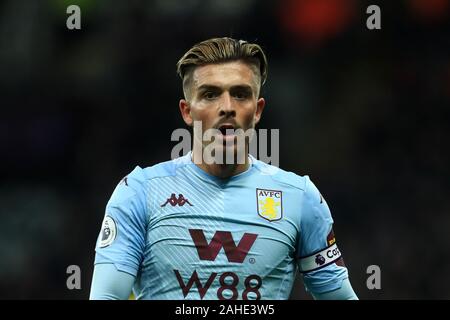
<point x="122" y="236"/>
<point x="319" y="259"/>
<point x="102" y="286"/>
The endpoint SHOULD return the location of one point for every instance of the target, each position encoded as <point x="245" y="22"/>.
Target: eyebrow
<point x="205" y="87"/>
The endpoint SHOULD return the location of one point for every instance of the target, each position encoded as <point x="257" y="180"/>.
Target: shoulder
<point x="306" y="191"/>
<point x="136" y="182"/>
<point x="166" y="168"/>
<point x="300" y="182"/>
<point x="159" y="170"/>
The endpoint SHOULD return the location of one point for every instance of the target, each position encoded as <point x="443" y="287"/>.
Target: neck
<point x="222" y="171"/>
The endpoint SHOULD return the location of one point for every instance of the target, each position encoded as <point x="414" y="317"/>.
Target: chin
<point x="231" y="154"/>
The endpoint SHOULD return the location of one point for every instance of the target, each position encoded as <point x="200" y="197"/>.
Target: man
<point x="212" y="226"/>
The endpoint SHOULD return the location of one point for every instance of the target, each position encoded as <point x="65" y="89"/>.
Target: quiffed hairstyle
<point x="217" y="50"/>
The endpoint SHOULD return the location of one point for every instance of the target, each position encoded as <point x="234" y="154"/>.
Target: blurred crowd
<point x="365" y="113"/>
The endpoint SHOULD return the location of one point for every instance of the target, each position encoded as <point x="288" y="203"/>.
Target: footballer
<point x="196" y="229"/>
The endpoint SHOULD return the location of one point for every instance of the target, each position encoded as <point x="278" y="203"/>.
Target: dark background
<point x="364" y="112"/>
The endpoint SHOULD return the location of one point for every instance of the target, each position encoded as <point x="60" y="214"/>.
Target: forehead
<point x="224" y="74"/>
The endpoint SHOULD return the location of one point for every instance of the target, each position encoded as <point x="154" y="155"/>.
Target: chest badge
<point x="270" y="204"/>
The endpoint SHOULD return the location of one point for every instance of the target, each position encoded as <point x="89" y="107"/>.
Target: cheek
<point x="249" y="115"/>
<point x="250" y="118"/>
<point x="202" y="114"/>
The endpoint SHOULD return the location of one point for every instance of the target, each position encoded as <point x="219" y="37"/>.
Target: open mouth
<point x="227" y="129"/>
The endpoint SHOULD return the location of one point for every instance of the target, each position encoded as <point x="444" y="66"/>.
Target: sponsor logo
<point x="228" y="281"/>
<point x="222" y="239"/>
<point x="269" y="204"/>
<point x="173" y="201"/>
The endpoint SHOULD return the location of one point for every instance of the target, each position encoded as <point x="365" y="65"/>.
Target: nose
<point x="227" y="107"/>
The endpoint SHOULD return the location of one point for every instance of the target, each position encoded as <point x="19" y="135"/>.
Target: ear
<point x="259" y="109"/>
<point x="185" y="110"/>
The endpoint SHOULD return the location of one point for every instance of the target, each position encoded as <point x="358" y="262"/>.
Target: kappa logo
<point x="173" y="201"/>
<point x="269" y="204"/>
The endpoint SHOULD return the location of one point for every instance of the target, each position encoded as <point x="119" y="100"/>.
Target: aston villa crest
<point x="270" y="204"/>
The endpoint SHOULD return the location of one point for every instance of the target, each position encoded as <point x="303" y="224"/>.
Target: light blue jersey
<point x="185" y="234"/>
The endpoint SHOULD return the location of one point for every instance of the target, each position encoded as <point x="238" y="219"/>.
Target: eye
<point x="209" y="95"/>
<point x="241" y="95"/>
